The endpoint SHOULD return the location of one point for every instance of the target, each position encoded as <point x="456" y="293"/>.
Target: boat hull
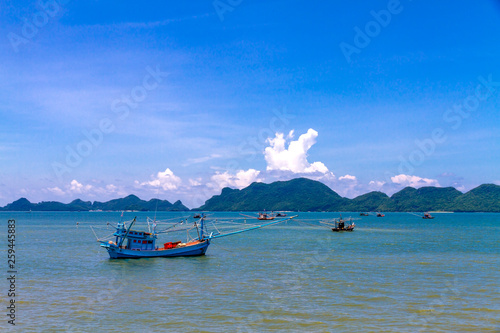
<point x="189" y="250"/>
<point x="340" y="230"/>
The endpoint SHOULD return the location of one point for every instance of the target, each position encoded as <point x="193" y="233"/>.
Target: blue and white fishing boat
<point x="129" y="243"/>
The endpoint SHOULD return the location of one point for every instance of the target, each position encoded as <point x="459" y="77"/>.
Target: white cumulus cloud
<point x="239" y="180"/>
<point x="201" y="159"/>
<point x="414" y="181"/>
<point x="76" y="187"/>
<point x="293" y="158"/>
<point x="348" y="177"/>
<point x="165" y="179"/>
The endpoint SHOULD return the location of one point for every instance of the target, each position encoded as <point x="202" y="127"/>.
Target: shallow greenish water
<point x="399" y="273"/>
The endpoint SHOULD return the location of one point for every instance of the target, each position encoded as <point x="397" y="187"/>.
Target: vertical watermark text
<point x="11" y="271"/>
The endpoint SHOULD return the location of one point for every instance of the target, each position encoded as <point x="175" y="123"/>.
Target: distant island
<point x="130" y="202"/>
<point x="300" y="194"/>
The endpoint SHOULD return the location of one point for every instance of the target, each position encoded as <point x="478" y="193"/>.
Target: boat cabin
<point x="139" y="240"/>
<point x="135" y="240"/>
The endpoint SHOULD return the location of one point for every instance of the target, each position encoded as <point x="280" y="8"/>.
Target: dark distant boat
<point x="340" y="225"/>
<point x="380" y="215"/>
<point x="197" y="216"/>
<point x="363" y="214"/>
<point x="427" y="216"/>
<point x="280" y="215"/>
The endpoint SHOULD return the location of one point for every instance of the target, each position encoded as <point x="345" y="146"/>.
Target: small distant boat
<point x="364" y="214"/>
<point x="281" y="215"/>
<point x="340" y="225"/>
<point x="427" y="216"/>
<point x="380" y="215"/>
<point x="197" y="216"/>
<point x="265" y="217"/>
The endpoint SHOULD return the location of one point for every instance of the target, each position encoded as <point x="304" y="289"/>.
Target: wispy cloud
<point x="145" y="25"/>
<point x="348" y="177"/>
<point x="202" y="159"/>
<point x="414" y="181"/>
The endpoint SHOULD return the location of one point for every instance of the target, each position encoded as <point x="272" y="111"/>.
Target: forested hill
<point x="130" y="202"/>
<point x="303" y="194"/>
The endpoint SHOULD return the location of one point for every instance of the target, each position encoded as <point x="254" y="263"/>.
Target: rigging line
<point x="170" y="219"/>
<point x="175" y="230"/>
<point x="329" y="223"/>
<point x="254" y="217"/>
<point x="253" y="228"/>
<point x="236" y="218"/>
<point x="230" y="227"/>
<point x="316" y="219"/>
<point x="157" y="192"/>
<point x="314" y="225"/>
<point x="215" y="227"/>
<point x="224" y="248"/>
<point x="97" y="228"/>
<point x="172" y="231"/>
<point x="188" y="237"/>
<point x="237" y="223"/>
<point x="106" y="237"/>
<point x="94" y="233"/>
<point x="414" y="214"/>
<point x="168" y="225"/>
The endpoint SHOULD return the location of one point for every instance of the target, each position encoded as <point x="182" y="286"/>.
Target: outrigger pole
<point x="252" y="228"/>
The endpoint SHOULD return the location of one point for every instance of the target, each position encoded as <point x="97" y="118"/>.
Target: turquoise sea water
<point x="399" y="273"/>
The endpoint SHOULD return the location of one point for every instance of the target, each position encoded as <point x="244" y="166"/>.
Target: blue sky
<point x="182" y="99"/>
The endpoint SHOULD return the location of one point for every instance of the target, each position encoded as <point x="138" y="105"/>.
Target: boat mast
<point x="128" y="230"/>
<point x="202" y="225"/>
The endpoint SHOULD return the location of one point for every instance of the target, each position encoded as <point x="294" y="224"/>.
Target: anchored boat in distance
<point x="340" y="225"/>
<point x="265" y="216"/>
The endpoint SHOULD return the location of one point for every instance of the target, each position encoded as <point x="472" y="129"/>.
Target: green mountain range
<point x="130" y="202"/>
<point x="299" y="194"/>
<point x="303" y="194"/>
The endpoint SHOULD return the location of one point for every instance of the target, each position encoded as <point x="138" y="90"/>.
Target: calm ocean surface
<point x="399" y="273"/>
